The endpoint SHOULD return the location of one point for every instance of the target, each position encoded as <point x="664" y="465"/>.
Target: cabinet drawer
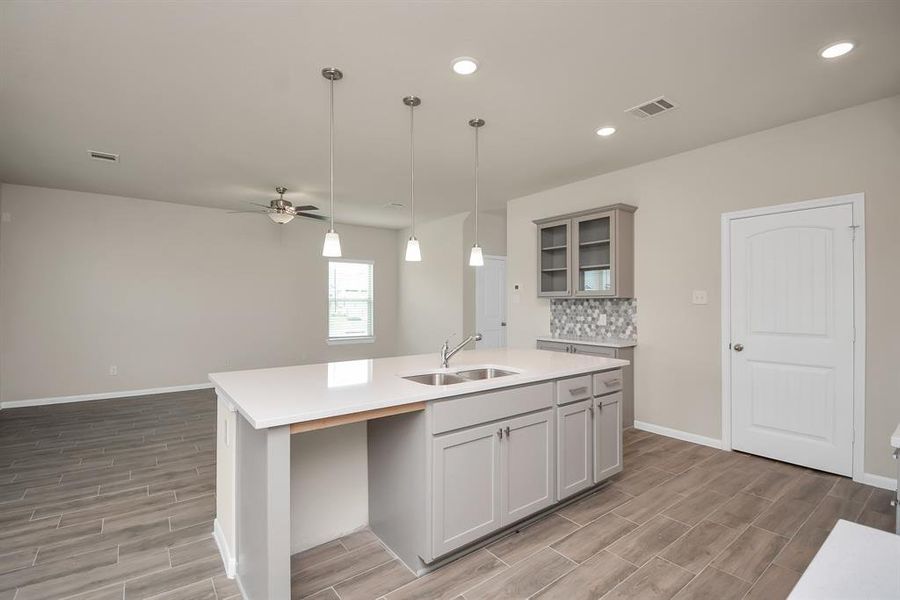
<point x="554" y="346"/>
<point x="595" y="350"/>
<point x="573" y="389"/>
<point x="607" y="382"/>
<point x="456" y="413"/>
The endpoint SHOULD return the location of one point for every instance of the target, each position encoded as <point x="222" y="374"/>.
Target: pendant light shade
<point x="332" y="246"/>
<point x="476" y="258"/>
<point x="413" y="252"/>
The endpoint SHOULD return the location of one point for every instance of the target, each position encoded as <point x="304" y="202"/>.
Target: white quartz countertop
<point x="895" y="439"/>
<point x="285" y="395"/>
<point x="855" y="562"/>
<point x="590" y="341"/>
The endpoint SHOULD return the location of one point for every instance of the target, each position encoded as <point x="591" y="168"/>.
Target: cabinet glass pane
<point x="554" y="258"/>
<point x="594" y="255"/>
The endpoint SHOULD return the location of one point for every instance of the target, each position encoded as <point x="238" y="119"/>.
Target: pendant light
<point x="413" y="253"/>
<point x="476" y="259"/>
<point x="332" y="245"/>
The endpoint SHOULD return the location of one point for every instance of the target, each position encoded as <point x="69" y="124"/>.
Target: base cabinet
<point x="466" y="487"/>
<point x="575" y="452"/>
<point x="607" y="436"/>
<point x="489" y="476"/>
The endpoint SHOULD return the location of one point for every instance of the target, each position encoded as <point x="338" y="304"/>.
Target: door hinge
<point x="853" y="229"/>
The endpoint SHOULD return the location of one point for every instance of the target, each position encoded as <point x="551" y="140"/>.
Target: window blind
<point x="350" y="300"/>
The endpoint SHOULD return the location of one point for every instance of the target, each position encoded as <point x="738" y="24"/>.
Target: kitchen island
<point x="456" y="456"/>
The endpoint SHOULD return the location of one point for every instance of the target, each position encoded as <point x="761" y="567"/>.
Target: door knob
<point x="738" y="347"/>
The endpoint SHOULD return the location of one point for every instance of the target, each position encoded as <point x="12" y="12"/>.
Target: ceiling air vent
<point x="104" y="156"/>
<point x="652" y="108"/>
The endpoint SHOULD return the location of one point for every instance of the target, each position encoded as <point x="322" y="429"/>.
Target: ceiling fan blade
<point x="241" y="212"/>
<point x="309" y="216"/>
<point x="306" y="207"/>
<point x="260" y="205"/>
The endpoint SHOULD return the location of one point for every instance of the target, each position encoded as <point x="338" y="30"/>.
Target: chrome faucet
<point x="447" y="353"/>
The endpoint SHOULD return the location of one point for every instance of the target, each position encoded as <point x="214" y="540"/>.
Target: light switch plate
<point x="602" y="320"/>
<point x="699" y="297"/>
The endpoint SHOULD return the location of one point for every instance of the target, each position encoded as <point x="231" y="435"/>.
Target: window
<point x="350" y="301"/>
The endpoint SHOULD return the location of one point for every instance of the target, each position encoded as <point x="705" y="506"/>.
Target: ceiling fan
<point x="282" y="211"/>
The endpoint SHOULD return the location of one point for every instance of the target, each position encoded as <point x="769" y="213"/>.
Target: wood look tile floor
<point x="114" y="499"/>
<point x="681" y="521"/>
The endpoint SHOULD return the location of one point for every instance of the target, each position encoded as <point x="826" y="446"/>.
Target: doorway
<point x="793" y="321"/>
<point x="490" y="302"/>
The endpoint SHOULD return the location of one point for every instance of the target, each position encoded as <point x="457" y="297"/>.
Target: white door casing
<point x="490" y="302"/>
<point x="791" y="355"/>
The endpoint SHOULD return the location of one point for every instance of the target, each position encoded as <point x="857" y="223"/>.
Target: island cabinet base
<point x="468" y="469"/>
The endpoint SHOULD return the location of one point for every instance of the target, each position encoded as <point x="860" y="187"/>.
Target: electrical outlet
<point x="113" y="370"/>
<point x="602" y="320"/>
<point x="699" y="297"/>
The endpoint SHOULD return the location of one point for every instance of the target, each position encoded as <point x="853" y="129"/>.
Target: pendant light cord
<point x="476" y="185"/>
<point x="412" y="169"/>
<point x="331" y="148"/>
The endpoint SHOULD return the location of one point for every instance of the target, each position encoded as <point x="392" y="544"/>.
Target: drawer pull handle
<point x="612" y="382"/>
<point x="893" y="502"/>
<point x="578" y="390"/>
<point x="896" y="453"/>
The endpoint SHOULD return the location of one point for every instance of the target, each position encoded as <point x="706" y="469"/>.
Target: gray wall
<point x="681" y="199"/>
<point x="166" y="292"/>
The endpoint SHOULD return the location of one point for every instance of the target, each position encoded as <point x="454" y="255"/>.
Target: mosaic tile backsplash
<point x="580" y="317"/>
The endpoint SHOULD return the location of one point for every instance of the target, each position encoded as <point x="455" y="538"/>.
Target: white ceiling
<point x="215" y="103"/>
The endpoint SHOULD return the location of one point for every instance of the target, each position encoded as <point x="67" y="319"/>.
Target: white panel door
<point x="466" y="487"/>
<point x="792" y="337"/>
<point x="527" y="482"/>
<point x="490" y="302"/>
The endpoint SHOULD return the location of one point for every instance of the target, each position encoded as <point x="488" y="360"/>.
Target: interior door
<point x="466" y="492"/>
<point x="527" y="468"/>
<point x="792" y="337"/>
<point x="490" y="302"/>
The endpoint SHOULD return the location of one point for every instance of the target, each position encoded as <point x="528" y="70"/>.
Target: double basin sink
<point x="464" y="376"/>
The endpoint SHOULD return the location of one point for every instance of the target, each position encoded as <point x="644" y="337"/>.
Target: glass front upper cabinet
<point x="587" y="254"/>
<point x="554" y="242"/>
<point x="593" y="253"/>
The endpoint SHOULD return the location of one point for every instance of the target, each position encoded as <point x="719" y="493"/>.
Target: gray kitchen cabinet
<point x="587" y="254"/>
<point x="466" y="486"/>
<point x="526" y="466"/>
<point x="608" y="352"/>
<point x="554" y="260"/>
<point x="575" y="448"/>
<point x="607" y="436"/>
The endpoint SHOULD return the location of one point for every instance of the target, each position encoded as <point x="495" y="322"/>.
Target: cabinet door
<point x="575" y="448"/>
<point x="527" y="473"/>
<point x="607" y="436"/>
<point x="554" y="241"/>
<point x="466" y="490"/>
<point x="593" y="254"/>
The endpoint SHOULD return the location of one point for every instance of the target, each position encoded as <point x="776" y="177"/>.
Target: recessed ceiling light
<point x="606" y="131"/>
<point x="464" y="65"/>
<point x="835" y="50"/>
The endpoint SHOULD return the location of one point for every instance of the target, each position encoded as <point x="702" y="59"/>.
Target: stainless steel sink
<point x="484" y="373"/>
<point x="437" y="378"/>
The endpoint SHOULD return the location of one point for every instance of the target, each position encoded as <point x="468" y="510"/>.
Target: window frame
<point x="360" y="339"/>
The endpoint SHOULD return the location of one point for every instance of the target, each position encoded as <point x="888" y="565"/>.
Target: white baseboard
<point x="103" y="395"/>
<point x="224" y="551"/>
<point x="879" y="481"/>
<point x="679" y="435"/>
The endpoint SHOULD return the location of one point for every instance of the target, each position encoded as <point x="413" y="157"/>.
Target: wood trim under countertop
<point x="365" y="415"/>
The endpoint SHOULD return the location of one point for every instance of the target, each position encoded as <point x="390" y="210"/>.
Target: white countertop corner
<point x="855" y="562"/>
<point x="285" y="395"/>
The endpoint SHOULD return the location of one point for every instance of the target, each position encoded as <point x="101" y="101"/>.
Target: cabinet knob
<point x="507" y="431"/>
<point x="500" y="433"/>
<point x="591" y="410"/>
